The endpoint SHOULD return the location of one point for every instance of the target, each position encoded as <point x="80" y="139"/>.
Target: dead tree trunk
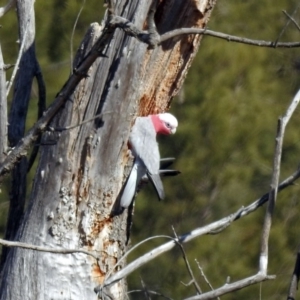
<point x="81" y="170"/>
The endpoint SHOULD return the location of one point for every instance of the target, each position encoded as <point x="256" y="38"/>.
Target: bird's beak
<point x="173" y="130"/>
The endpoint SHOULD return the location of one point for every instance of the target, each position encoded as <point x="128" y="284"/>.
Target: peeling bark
<point x="78" y="180"/>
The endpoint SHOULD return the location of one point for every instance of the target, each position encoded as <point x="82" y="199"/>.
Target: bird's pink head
<point x="164" y="123"/>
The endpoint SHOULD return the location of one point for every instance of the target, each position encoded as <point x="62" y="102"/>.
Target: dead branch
<point x="208" y="229"/>
<point x="205" y="278"/>
<point x="282" y="123"/>
<point x="60" y="129"/>
<point x="292" y="19"/>
<point x="41" y="109"/>
<point x="145" y="289"/>
<point x="259" y="202"/>
<point x="286" y="25"/>
<point x="73" y="32"/>
<point x="187" y="264"/>
<point x="45" y="249"/>
<point x="10" y="4"/>
<point x="3" y="110"/>
<point x="230" y="287"/>
<point x="147" y="37"/>
<point x="166" y="247"/>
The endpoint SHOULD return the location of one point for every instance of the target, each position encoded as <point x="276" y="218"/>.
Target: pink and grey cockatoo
<point x="143" y="145"/>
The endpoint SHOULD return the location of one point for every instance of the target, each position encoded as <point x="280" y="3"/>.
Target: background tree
<point x="224" y="145"/>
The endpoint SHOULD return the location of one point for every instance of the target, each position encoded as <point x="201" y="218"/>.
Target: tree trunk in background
<point x="79" y="178"/>
<point x="27" y="71"/>
<point x="3" y="110"/>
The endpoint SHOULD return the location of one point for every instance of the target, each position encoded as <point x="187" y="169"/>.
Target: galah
<point x="143" y="145"/>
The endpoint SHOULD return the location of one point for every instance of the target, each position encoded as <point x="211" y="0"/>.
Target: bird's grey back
<point x="143" y="143"/>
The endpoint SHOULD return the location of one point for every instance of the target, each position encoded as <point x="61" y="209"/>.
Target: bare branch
<point x="79" y="124"/>
<point x="41" y="109"/>
<point x="145" y="289"/>
<point x="208" y="229"/>
<point x="73" y="32"/>
<point x="292" y="19"/>
<point x="194" y="281"/>
<point x="7" y="7"/>
<point x="164" y="248"/>
<point x="97" y="289"/>
<point x="205" y="278"/>
<point x="45" y="249"/>
<point x="282" y="123"/>
<point x="286" y="25"/>
<point x="3" y="110"/>
<point x="230" y="287"/>
<point x="255" y="205"/>
<point x="228" y="37"/>
<point x="146" y="37"/>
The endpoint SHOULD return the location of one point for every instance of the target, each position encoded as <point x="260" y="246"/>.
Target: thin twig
<point x="79" y="124"/>
<point x="203" y="275"/>
<point x="145" y="289"/>
<point x="285" y="26"/>
<point x="7" y="7"/>
<point x="45" y="249"/>
<point x="227" y="37"/>
<point x="19" y="56"/>
<point x="72" y="35"/>
<point x="292" y="19"/>
<point x="194" y="281"/>
<point x="145" y="36"/>
<point x="230" y="287"/>
<point x="99" y="288"/>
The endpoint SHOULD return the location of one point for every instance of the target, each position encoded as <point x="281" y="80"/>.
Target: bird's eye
<point x="168" y="125"/>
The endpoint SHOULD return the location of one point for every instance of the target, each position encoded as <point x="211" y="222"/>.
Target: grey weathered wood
<point x="3" y="110"/>
<point x="27" y="70"/>
<point x="79" y="178"/>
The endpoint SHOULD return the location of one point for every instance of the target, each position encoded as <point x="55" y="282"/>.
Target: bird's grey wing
<point x="158" y="185"/>
<point x="130" y="186"/>
<point x="144" y="145"/>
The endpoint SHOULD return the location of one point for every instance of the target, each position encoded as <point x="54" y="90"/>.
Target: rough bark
<point x="78" y="179"/>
